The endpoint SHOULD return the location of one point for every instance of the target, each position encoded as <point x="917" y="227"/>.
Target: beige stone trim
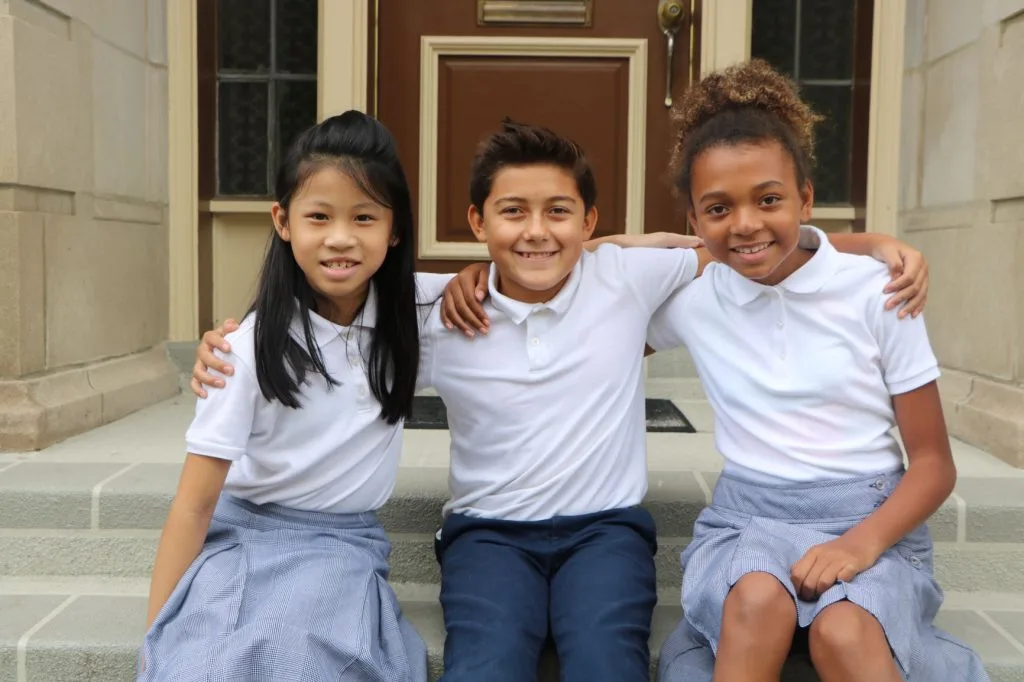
<point x="236" y="206"/>
<point x="884" y="117"/>
<point x="850" y="213"/>
<point x="183" y="188"/>
<point x="342" y="62"/>
<point x="431" y="49"/>
<point x="725" y="27"/>
<point x="40" y="411"/>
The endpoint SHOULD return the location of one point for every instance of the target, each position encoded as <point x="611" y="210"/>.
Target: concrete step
<point x="49" y="633"/>
<point x="963" y="567"/>
<point x="109" y="496"/>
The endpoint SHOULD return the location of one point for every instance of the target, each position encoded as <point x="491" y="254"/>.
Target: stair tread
<point x="62" y="618"/>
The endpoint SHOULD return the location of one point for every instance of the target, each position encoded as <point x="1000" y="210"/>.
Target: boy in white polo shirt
<point x="544" y="533"/>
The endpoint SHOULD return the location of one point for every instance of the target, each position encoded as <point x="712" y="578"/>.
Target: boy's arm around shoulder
<point x="653" y="274"/>
<point x="217" y="437"/>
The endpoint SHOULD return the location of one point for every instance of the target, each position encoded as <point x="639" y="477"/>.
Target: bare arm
<point x="202" y="480"/>
<point x="926" y="485"/>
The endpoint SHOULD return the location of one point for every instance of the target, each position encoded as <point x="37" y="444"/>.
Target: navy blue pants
<point x="588" y="581"/>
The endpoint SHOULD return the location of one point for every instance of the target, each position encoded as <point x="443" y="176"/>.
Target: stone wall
<point x="962" y="204"/>
<point x="83" y="215"/>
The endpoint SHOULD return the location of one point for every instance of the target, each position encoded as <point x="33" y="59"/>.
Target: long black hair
<point x="362" y="148"/>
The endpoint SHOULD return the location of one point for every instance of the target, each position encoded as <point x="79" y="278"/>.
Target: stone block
<point x="996" y="11"/>
<point x="911" y="127"/>
<point x="106" y="288"/>
<point x="156" y="26"/>
<point x="8" y="119"/>
<point x="42" y="410"/>
<point x="52" y="125"/>
<point x="44" y="495"/>
<point x="22" y="294"/>
<point x="971" y="314"/>
<point x="119" y="22"/>
<point x="119" y="120"/>
<point x="950" y="129"/>
<point x="21" y="613"/>
<point x="952" y="24"/>
<point x="156" y="134"/>
<point x="1000" y="170"/>
<point x="915" y="33"/>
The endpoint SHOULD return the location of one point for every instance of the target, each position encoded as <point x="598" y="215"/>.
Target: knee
<point x="759" y="598"/>
<point x="841" y="631"/>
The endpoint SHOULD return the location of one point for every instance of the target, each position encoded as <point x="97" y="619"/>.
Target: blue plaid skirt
<point x="280" y="595"/>
<point x="753" y="527"/>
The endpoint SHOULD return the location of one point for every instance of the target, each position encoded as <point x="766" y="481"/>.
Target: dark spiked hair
<point x="519" y="144"/>
<point x="362" y="148"/>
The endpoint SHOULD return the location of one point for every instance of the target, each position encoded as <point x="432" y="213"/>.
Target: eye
<point x="771" y="200"/>
<point x="511" y="211"/>
<point x="560" y="211"/>
<point x="318" y="217"/>
<point x="716" y="210"/>
<point x="365" y="218"/>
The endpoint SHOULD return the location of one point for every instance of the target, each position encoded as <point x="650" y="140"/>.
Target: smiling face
<point x="339" y="237"/>
<point x="534" y="223"/>
<point x="748" y="208"/>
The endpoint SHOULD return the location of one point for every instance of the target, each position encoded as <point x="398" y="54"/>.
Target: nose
<point x="536" y="229"/>
<point x="340" y="235"/>
<point x="746" y="222"/>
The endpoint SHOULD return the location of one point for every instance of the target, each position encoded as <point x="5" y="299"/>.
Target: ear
<point x="589" y="223"/>
<point x="476" y="223"/>
<point x="807" y="205"/>
<point x="280" y="217"/>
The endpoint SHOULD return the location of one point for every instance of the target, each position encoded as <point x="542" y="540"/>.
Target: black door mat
<point x="429" y="412"/>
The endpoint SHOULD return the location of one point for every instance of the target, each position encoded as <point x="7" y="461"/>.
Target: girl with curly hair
<point x="816" y="530"/>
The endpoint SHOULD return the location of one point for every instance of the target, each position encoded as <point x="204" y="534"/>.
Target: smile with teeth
<point x="535" y="254"/>
<point x="339" y="264"/>
<point x="754" y="248"/>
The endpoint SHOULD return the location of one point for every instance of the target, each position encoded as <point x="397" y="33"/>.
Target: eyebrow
<point x="721" y="195"/>
<point x="523" y="200"/>
<point x="323" y="203"/>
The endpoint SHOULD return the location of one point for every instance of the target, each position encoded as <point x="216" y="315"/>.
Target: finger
<point x="450" y="305"/>
<point x="846" y="574"/>
<point x="197" y="388"/>
<point x="468" y="306"/>
<point x="922" y="300"/>
<point x="200" y="374"/>
<point x="214" y="339"/>
<point x="206" y="359"/>
<point x="901" y="297"/>
<point x="229" y="325"/>
<point x="809" y="591"/>
<point x="481" y="284"/>
<point x="801" y="568"/>
<point x="827" y="578"/>
<point x="900" y="280"/>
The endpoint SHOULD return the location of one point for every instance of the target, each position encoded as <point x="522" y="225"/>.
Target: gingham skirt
<point x="752" y="527"/>
<point x="279" y="595"/>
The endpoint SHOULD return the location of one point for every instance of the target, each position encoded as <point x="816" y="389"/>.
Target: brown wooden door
<point x="448" y="73"/>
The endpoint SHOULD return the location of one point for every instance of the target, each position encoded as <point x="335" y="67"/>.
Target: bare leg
<point x="849" y="645"/>
<point x="757" y="631"/>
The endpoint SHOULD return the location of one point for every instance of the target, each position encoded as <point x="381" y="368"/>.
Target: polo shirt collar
<point x="518" y="311"/>
<point x="808" y="279"/>
<point x="326" y="332"/>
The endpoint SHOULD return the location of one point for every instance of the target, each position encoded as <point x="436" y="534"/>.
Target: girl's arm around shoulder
<point x="188" y="521"/>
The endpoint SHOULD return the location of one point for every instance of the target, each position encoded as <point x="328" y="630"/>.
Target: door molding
<point x="432" y="48"/>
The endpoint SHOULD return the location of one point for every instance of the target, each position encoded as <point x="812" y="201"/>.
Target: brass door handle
<point x="671" y="15"/>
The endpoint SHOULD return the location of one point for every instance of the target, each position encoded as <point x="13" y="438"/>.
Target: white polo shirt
<point x="546" y="412"/>
<point x="335" y="454"/>
<point x="801" y="375"/>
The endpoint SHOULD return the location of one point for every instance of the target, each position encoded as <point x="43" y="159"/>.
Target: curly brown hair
<point x="747" y="102"/>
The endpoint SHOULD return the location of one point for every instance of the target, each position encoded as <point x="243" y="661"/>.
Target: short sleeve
<point x="908" y="361"/>
<point x="430" y="286"/>
<point x="667" y="329"/>
<point x="224" y="419"/>
<point x="655" y="274"/>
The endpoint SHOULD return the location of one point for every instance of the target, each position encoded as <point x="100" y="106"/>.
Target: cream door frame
<point x="344" y="65"/>
<point x="432" y="48"/>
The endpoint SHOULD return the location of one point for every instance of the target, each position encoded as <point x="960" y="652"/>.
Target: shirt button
<point x="778" y="323"/>
<point x="535" y="341"/>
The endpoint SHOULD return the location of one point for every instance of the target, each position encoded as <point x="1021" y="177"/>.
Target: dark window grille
<point x="266" y="88"/>
<point x="825" y="46"/>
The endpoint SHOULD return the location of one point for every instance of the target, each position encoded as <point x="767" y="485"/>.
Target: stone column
<point x="83" y="205"/>
<point x="962" y="204"/>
